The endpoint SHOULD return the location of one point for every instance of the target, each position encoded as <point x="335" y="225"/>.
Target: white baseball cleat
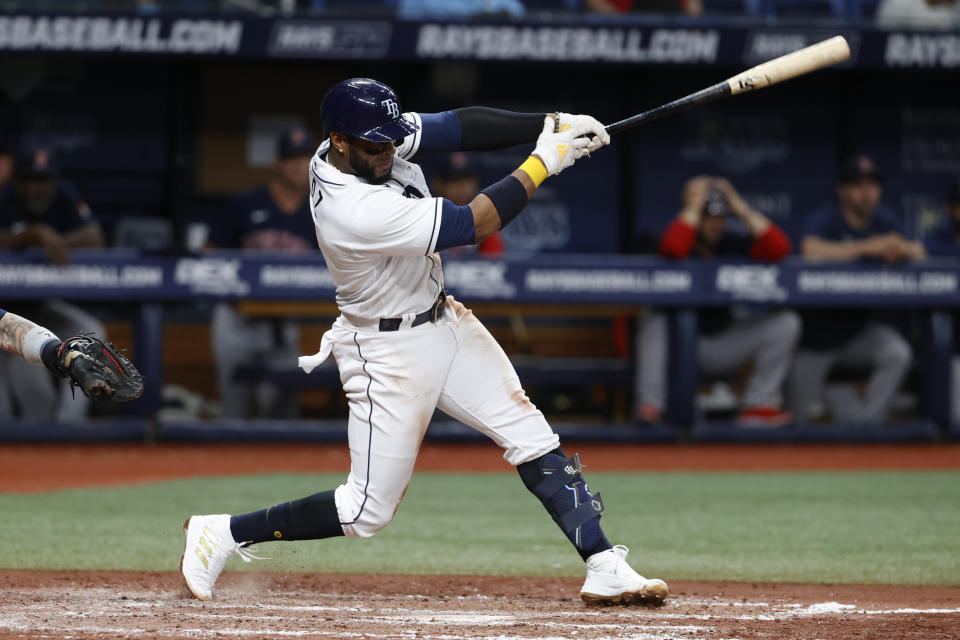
<point x="610" y="580"/>
<point x="207" y="547"/>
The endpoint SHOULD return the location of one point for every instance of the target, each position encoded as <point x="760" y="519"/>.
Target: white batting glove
<point x="558" y="151"/>
<point x="595" y="130"/>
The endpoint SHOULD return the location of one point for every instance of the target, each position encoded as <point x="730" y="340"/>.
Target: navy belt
<point x="432" y="314"/>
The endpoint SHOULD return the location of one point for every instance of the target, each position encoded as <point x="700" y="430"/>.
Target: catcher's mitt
<point x="99" y="369"/>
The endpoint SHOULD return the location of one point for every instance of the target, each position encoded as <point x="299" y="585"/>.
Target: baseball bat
<point x="816" y="56"/>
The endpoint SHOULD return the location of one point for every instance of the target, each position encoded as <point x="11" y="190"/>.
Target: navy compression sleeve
<point x="477" y="129"/>
<point x="456" y="226"/>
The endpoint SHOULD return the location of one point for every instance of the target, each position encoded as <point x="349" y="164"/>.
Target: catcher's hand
<point x="99" y="369"/>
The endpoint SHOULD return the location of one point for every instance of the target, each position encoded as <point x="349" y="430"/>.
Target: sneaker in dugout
<point x="208" y="544"/>
<point x="610" y="580"/>
<point x="764" y="417"/>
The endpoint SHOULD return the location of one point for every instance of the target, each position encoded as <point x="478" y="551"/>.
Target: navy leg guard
<point x="558" y="482"/>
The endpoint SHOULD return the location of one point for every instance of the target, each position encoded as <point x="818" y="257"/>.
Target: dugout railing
<point x="556" y="284"/>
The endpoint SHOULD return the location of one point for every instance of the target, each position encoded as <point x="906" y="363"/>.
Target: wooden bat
<point x="816" y="56"/>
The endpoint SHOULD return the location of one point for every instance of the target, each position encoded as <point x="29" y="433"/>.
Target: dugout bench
<point x="547" y="284"/>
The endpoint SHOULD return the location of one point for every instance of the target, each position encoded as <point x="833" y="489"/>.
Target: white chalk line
<point x="134" y="605"/>
<point x="428" y="617"/>
<point x="783" y="610"/>
<point x="261" y="633"/>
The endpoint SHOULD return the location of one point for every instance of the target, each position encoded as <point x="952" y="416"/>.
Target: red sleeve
<point x="677" y="241"/>
<point x="772" y="246"/>
<point x="492" y="246"/>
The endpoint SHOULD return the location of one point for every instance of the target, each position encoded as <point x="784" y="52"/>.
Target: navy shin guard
<point x="558" y="482"/>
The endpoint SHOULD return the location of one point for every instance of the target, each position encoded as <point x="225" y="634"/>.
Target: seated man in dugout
<point x="716" y="221"/>
<point x="271" y="217"/>
<point x="40" y="210"/>
<point x="855" y="227"/>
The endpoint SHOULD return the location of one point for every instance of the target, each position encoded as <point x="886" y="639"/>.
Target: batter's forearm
<point x="501" y="202"/>
<point x="486" y="129"/>
<point x="555" y="150"/>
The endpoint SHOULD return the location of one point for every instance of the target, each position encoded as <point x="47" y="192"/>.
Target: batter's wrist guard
<point x="534" y="168"/>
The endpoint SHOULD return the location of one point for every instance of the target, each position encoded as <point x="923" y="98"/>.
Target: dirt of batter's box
<point x="104" y="604"/>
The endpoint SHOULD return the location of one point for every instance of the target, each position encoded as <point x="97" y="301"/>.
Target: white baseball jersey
<point x="378" y="241"/>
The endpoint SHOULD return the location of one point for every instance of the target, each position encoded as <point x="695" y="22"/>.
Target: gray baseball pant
<point x="879" y="348"/>
<point x="238" y="340"/>
<point x="768" y="339"/>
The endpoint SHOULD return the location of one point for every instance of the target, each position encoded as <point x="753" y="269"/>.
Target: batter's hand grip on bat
<point x="816" y="56"/>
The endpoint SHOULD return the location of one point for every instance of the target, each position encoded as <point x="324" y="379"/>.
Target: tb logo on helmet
<point x="393" y="109"/>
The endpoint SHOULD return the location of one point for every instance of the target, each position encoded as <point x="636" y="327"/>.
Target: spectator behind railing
<point x="685" y="7"/>
<point x="944" y="240"/>
<point x="854" y="227"/>
<point x="272" y="217"/>
<point x="918" y="14"/>
<point x="38" y="210"/>
<point x="728" y="337"/>
<point x="421" y="9"/>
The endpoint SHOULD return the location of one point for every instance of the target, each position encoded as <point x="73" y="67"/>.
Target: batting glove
<point x="560" y="150"/>
<point x="595" y="130"/>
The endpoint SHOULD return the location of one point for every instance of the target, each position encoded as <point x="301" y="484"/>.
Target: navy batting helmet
<point x="365" y="109"/>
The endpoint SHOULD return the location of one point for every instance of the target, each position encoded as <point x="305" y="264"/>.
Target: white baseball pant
<point x="394" y="380"/>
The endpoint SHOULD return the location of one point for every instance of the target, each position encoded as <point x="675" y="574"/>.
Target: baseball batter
<point x="404" y="347"/>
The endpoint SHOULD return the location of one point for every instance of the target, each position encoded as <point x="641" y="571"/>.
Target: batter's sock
<point x="594" y="541"/>
<point x="309" y="518"/>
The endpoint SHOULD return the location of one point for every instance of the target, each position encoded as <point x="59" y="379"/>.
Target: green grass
<point x="895" y="528"/>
